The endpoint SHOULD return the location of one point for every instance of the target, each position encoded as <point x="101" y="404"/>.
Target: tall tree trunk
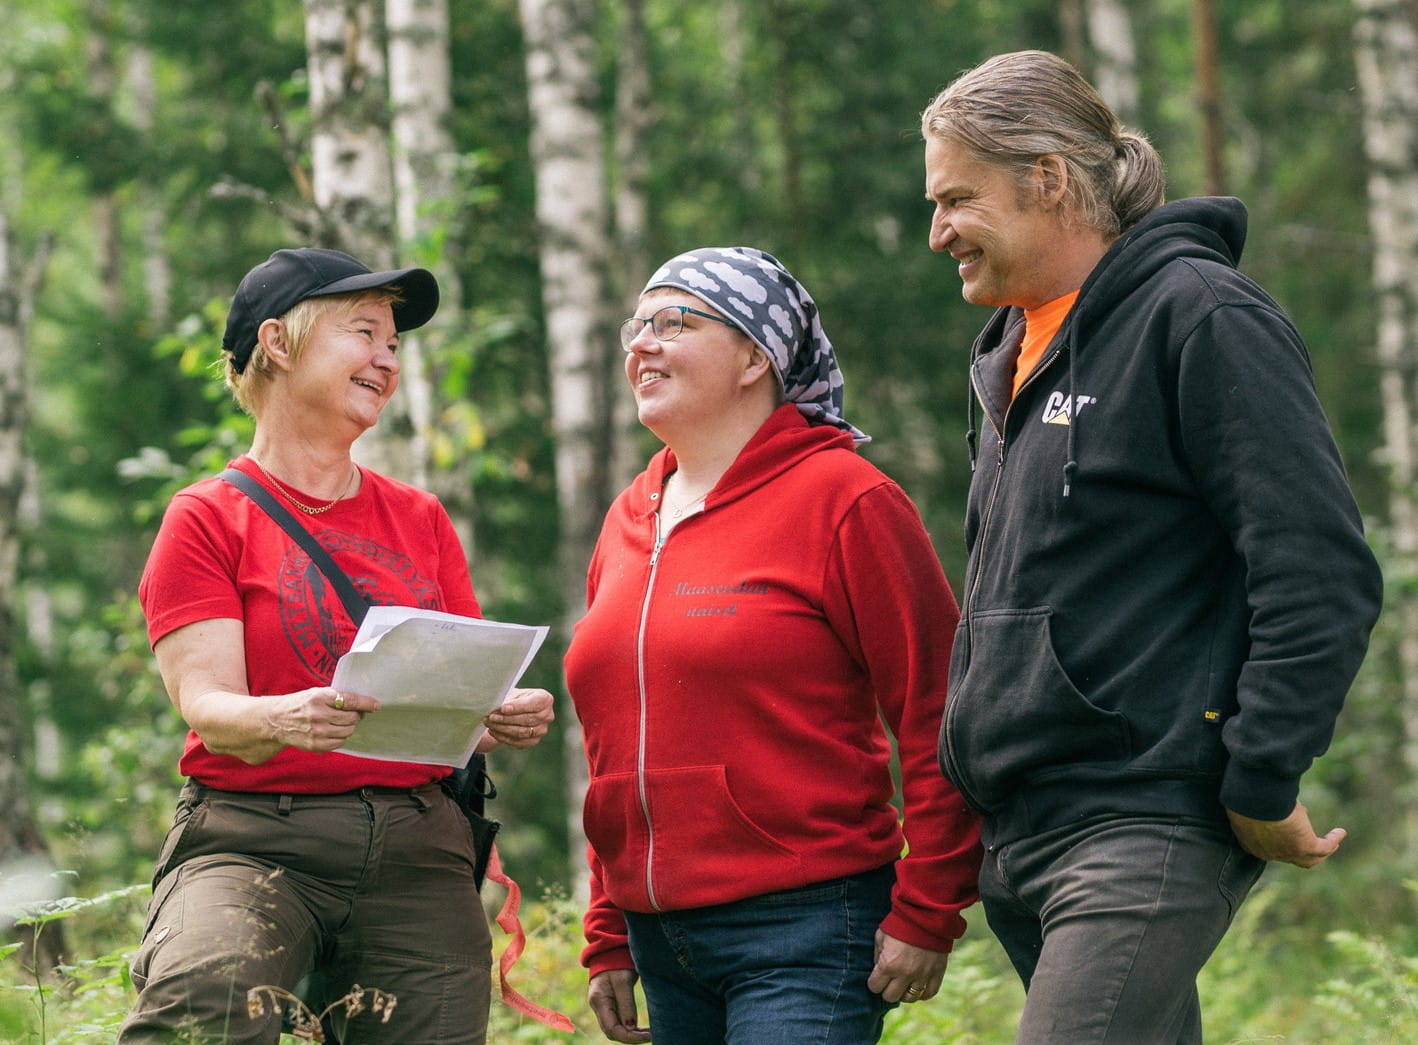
<point x="1209" y="95"/>
<point x="634" y="115"/>
<point x="1114" y="57"/>
<point x="22" y="846"/>
<point x="352" y="176"/>
<point x="1386" y="59"/>
<point x="102" y="80"/>
<point x="1074" y="49"/>
<point x="785" y="111"/>
<point x="425" y="184"/>
<point x="734" y="39"/>
<point x="573" y="217"/>
<point x="141" y="82"/>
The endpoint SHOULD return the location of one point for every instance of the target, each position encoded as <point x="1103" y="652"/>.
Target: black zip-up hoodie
<point x="1168" y="591"/>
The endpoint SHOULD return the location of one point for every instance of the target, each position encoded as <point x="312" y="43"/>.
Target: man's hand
<point x="612" y="999"/>
<point x="1292" y="840"/>
<point x="903" y="972"/>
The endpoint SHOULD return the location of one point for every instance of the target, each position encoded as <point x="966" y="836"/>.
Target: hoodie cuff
<point x="906" y="931"/>
<point x="1258" y="794"/>
<point x="608" y="961"/>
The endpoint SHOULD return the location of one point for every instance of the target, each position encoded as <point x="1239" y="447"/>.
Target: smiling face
<point x="1000" y="230"/>
<point x="695" y="379"/>
<point x="344" y="368"/>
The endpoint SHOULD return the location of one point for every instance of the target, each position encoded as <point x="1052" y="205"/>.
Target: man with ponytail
<point x="1168" y="590"/>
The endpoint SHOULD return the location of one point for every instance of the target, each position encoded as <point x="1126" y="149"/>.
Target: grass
<point x="1270" y="981"/>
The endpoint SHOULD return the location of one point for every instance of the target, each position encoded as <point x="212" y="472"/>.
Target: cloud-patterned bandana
<point x="763" y="299"/>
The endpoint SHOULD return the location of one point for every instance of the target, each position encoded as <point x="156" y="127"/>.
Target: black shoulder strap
<point x="356" y="605"/>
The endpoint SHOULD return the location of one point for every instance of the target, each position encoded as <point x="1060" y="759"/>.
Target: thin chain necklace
<point x="686" y="505"/>
<point x="307" y="509"/>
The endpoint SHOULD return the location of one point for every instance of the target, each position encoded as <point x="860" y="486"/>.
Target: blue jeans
<point x="786" y="968"/>
<point x="1109" y="924"/>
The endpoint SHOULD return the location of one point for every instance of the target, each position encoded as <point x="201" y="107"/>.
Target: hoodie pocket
<point x="699" y="847"/>
<point x="1014" y="713"/>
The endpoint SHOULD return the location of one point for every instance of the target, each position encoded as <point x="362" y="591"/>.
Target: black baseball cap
<point x="288" y="277"/>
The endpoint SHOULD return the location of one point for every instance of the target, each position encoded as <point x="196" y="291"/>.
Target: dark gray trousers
<point x="1109" y="924"/>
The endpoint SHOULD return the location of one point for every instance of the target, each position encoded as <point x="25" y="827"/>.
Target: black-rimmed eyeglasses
<point x="665" y="324"/>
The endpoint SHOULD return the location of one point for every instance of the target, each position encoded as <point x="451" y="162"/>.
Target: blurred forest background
<point x="543" y="156"/>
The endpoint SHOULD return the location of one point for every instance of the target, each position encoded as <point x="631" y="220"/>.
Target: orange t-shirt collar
<point x="1040" y="326"/>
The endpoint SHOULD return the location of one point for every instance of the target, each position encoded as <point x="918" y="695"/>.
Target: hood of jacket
<point x="1207" y="229"/>
<point x="781" y="442"/>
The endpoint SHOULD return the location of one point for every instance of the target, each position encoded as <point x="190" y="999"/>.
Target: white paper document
<point x="436" y="676"/>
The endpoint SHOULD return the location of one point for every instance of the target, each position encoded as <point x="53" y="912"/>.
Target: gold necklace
<point x="684" y="506"/>
<point x="307" y="509"/>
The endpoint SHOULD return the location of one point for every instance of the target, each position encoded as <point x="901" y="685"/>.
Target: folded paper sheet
<point x="436" y="675"/>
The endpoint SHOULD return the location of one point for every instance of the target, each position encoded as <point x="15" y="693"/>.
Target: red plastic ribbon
<point x="512" y="925"/>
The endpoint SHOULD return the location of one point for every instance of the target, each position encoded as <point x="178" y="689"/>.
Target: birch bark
<point x="634" y="116"/>
<point x="1114" y="57"/>
<point x="24" y="856"/>
<point x="573" y="217"/>
<point x="352" y="179"/>
<point x="1386" y="60"/>
<point x="425" y="163"/>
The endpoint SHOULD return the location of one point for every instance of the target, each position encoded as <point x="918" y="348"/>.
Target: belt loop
<point x="283" y="806"/>
<point x="419" y="800"/>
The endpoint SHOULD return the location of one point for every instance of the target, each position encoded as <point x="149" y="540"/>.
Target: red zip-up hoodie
<point x="732" y="682"/>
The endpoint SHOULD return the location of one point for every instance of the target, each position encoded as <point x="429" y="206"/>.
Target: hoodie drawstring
<point x="971" y="434"/>
<point x="1071" y="464"/>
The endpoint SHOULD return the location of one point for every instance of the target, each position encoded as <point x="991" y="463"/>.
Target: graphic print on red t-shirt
<point x="312" y="616"/>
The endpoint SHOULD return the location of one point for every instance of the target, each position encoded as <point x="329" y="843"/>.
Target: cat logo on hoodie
<point x="1059" y="410"/>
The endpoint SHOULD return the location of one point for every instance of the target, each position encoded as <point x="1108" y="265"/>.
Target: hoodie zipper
<point x="640" y="784"/>
<point x="968" y="610"/>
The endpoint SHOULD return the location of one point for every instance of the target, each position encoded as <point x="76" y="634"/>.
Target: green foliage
<point x="1384" y="995"/>
<point x="82" y="1000"/>
<point x="794" y="130"/>
<point x="1262" y="984"/>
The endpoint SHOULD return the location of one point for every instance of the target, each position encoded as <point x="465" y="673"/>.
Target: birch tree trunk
<point x="102" y="79"/>
<point x="1114" y="57"/>
<point x="634" y="115"/>
<point x="573" y="217"/>
<point x="425" y="164"/>
<point x="352" y="178"/>
<point x="141" y="81"/>
<point x="25" y="866"/>
<point x="785" y="101"/>
<point x="1386" y="60"/>
<point x="734" y="39"/>
<point x="1073" y="47"/>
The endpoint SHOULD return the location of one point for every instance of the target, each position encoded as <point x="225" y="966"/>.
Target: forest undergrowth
<point x="1273" y="980"/>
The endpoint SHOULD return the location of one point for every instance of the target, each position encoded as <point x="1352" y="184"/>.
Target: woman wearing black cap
<point x="288" y="856"/>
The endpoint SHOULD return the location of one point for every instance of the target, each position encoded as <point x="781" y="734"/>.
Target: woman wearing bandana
<point x="760" y="602"/>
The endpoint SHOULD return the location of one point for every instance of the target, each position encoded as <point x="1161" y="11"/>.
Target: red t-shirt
<point x="219" y="555"/>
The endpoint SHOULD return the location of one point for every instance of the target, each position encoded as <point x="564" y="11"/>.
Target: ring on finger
<point x="339" y="704"/>
<point x="914" y="992"/>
